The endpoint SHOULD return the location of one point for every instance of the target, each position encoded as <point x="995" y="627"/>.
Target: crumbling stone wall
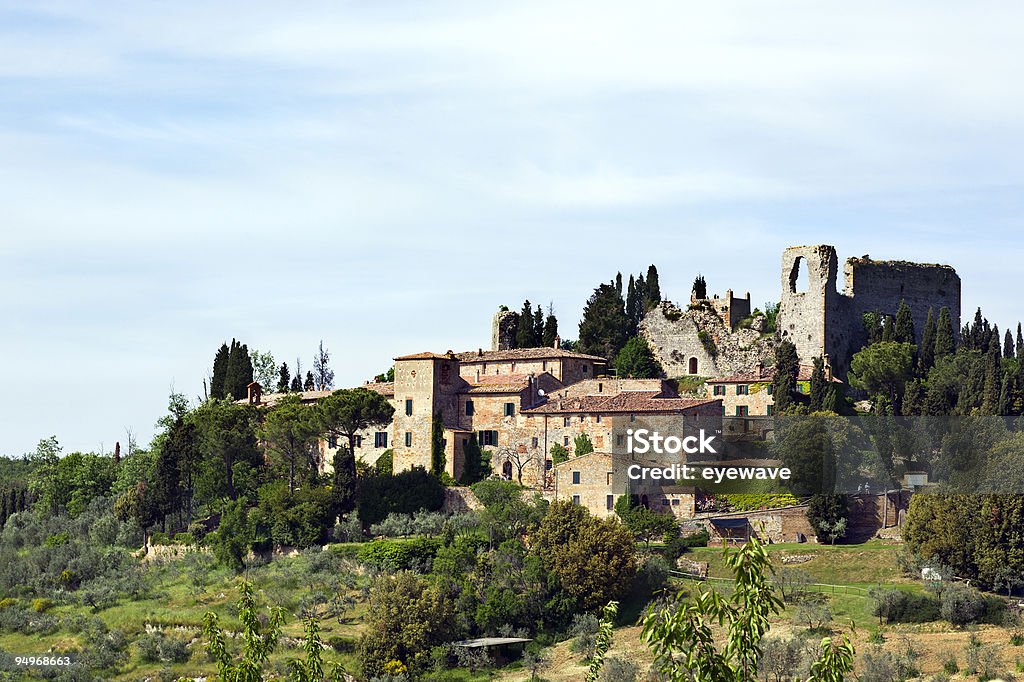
<point x="503" y="330"/>
<point x="676" y="339"/>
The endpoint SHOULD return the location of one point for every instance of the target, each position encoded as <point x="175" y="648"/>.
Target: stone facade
<point x="503" y="330"/>
<point x="822" y="321"/>
<point x="728" y="307"/>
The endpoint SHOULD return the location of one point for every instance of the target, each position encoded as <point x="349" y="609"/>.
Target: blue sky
<point x="383" y="175"/>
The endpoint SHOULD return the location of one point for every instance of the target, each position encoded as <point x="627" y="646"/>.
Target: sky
<point x="383" y="175"/>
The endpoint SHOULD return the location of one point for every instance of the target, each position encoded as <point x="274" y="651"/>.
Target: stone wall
<point x="675" y="338"/>
<point x="503" y="330"/>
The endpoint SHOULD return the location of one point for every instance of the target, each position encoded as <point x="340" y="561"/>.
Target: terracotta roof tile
<point x="627" y="402"/>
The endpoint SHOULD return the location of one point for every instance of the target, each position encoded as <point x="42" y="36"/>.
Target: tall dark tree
<point x="1009" y="350"/>
<point x="700" y="288"/>
<point x="550" y="328"/>
<point x="637" y="361"/>
<point x="220" y="370"/>
<point x="344" y="414"/>
<point x="310" y="383"/>
<point x="437" y="456"/>
<point x="652" y="297"/>
<point x="904" y="332"/>
<point x="945" y="343"/>
<point x="284" y="380"/>
<point x="872" y="322"/>
<point x="228" y="449"/>
<point x="618" y="283"/>
<point x="633" y="308"/>
<point x="525" y="330"/>
<point x="604" y="324"/>
<point x="818" y="385"/>
<point x="538" y="327"/>
<point x="238" y="375"/>
<point x="888" y="329"/>
<point x="323" y="375"/>
<point x="993" y="380"/>
<point x="787" y="367"/>
<point x="289" y="432"/>
<point x="926" y="354"/>
<point x="1020" y="341"/>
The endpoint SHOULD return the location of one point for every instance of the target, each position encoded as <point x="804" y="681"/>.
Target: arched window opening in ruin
<point x="693" y="365"/>
<point x="798" y="277"/>
<point x="506" y="470"/>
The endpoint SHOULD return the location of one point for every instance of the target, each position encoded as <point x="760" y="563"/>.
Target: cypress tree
<point x="220" y="368"/>
<point x="913" y="399"/>
<point x="872" y="327"/>
<point x="437" y="457"/>
<point x="818" y="385"/>
<point x="603" y="325"/>
<point x="550" y="328"/>
<point x="888" y="329"/>
<point x="944" y="342"/>
<point x="700" y="287"/>
<point x="641" y="296"/>
<point x="538" y="326"/>
<point x="992" y="387"/>
<point x="787" y="366"/>
<point x="233" y="373"/>
<point x="904" y="324"/>
<point x="653" y="294"/>
<point x="284" y="378"/>
<point x="632" y="308"/>
<point x="310" y="383"/>
<point x="1020" y="341"/>
<point x="927" y="352"/>
<point x="297" y="382"/>
<point x="525" y="330"/>
<point x="618" y="283"/>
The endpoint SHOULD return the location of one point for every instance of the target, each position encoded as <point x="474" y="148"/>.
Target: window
<point x="632" y="417"/>
<point x="583" y="418"/>
<point x="675" y="502"/>
<point x="544" y="366"/>
<point x="693" y="365"/>
<point x="332" y="442"/>
<point x="408" y="407"/>
<point x="769" y="389"/>
<point x="408" y="439"/>
<point x="548" y="464"/>
<point x="575" y="478"/>
<point x="741" y="410"/>
<point x="620" y="440"/>
<point x="664" y="502"/>
<point x="597" y="418"/>
<point x="534" y="442"/>
<point x="565" y="421"/>
<point x="719" y="389"/>
<point x="567" y="441"/>
<point x="357" y="441"/>
<point x="469" y="408"/>
<point x="380" y="439"/>
<point x="575" y="499"/>
<point x="585" y="368"/>
<point x="510" y="409"/>
<point x="609" y="502"/>
<point x="771" y="410"/>
<point x="742" y="389"/>
<point x="600" y="387"/>
<point x="487" y="438"/>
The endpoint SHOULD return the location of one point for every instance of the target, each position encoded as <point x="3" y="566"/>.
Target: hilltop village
<point x="531" y="407"/>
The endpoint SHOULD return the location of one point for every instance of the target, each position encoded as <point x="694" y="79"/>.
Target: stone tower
<point x="815" y="318"/>
<point x="503" y="330"/>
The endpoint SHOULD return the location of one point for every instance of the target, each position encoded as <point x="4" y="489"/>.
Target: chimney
<point x="479" y="352"/>
<point x="558" y="341"/>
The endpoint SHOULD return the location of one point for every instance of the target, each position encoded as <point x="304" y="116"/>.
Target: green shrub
<point x="396" y="555"/>
<point x="753" y="502"/>
<point x="404" y="493"/>
<point x="897" y="606"/>
<point x="961" y="604"/>
<point x="42" y="605"/>
<point x="341" y="644"/>
<point x="184" y="539"/>
<point x="159" y="538"/>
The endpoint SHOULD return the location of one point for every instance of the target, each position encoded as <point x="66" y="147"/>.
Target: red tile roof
<point x="543" y="353"/>
<point x="765" y="374"/>
<point x="627" y="402"/>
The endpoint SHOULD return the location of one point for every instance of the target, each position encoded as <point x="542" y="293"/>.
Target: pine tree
<point x="310" y="383"/>
<point x="297" y="382"/>
<point x="944" y="341"/>
<point x="927" y="351"/>
<point x="872" y="323"/>
<point x="323" y="375"/>
<point x="538" y="327"/>
<point x="904" y="331"/>
<point x="652" y="297"/>
<point x="637" y="361"/>
<point x="913" y="399"/>
<point x="220" y="368"/>
<point x="525" y="329"/>
<point x="787" y="367"/>
<point x="285" y="379"/>
<point x="818" y="385"/>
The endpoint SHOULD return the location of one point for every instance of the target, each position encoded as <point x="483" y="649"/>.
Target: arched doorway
<point x="506" y="470"/>
<point x="644" y="502"/>
<point x="693" y="365"/>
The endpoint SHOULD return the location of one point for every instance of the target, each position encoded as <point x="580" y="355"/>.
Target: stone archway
<point x="693" y="366"/>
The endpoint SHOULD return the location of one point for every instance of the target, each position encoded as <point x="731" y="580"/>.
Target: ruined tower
<point x="822" y="321"/>
<point x="503" y="330"/>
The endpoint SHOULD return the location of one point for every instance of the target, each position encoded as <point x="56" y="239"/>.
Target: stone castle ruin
<point x="719" y="336"/>
<point x="822" y="321"/>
